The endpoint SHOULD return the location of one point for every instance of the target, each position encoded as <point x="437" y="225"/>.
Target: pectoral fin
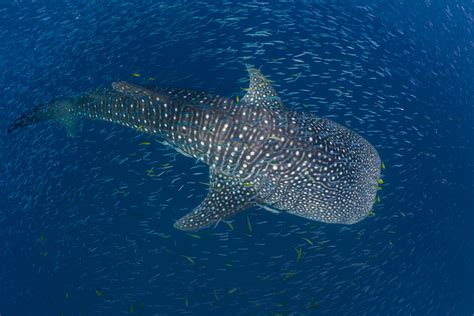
<point x="227" y="196"/>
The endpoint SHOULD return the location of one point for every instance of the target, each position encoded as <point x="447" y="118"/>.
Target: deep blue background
<point x="85" y="230"/>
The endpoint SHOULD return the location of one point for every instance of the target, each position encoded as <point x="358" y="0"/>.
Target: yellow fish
<point x="189" y="259"/>
<point x="275" y="138"/>
<point x="299" y="253"/>
<point x="99" y="293"/>
<point x="136" y="75"/>
<point x="145" y="143"/>
<point x="288" y="275"/>
<point x="42" y="238"/>
<point x="150" y="172"/>
<point x="308" y="241"/>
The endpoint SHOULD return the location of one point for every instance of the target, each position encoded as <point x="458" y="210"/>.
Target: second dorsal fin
<point x="133" y="89"/>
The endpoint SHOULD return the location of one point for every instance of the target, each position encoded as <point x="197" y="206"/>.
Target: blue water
<point x="86" y="230"/>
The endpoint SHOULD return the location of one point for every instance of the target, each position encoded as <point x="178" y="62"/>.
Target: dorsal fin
<point x="261" y="92"/>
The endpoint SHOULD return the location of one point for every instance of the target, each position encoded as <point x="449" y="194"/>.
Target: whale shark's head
<point x="338" y="180"/>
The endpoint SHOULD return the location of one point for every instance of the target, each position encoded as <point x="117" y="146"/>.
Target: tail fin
<point x="55" y="110"/>
<point x="38" y="114"/>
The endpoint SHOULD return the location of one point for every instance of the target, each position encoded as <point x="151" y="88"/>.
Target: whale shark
<point x="260" y="153"/>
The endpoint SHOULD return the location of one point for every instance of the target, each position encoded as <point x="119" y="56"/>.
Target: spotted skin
<point x="227" y="196"/>
<point x="259" y="152"/>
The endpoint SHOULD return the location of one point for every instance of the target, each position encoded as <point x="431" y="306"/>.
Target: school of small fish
<point x="85" y="220"/>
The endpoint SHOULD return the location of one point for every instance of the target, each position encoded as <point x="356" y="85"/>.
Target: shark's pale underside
<point x="259" y="152"/>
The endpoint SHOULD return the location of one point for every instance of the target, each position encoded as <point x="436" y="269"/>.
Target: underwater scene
<point x="237" y="157"/>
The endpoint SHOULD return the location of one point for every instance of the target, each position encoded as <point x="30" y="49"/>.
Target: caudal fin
<point x="56" y="110"/>
<point x="38" y="114"/>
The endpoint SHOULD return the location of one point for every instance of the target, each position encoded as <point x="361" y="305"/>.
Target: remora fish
<point x="259" y="152"/>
